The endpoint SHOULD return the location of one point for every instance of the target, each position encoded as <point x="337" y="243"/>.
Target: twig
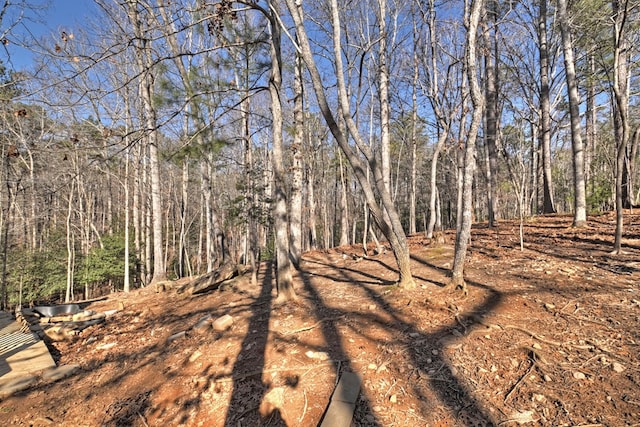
<point x="304" y="410"/>
<point x="143" y="420"/>
<point x="516" y="385"/>
<point x="308" y="328"/>
<point x="534" y="335"/>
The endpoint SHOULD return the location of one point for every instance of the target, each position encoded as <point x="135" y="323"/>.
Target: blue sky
<point x="55" y="16"/>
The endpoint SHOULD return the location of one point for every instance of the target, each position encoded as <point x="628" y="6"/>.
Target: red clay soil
<point x="547" y="336"/>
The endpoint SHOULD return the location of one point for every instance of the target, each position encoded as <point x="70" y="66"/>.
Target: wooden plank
<point x="343" y="401"/>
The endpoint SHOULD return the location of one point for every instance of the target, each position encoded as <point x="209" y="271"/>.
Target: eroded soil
<point x="547" y="336"/>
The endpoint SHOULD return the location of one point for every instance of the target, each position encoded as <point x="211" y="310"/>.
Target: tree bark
<point x="297" y="164"/>
<point x="621" y="58"/>
<point x="144" y="62"/>
<point x="580" y="201"/>
<point x="548" y="205"/>
<point x="284" y="280"/>
<point x="464" y="235"/>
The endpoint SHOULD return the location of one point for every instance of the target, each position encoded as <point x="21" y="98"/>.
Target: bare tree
<point x="580" y="201"/>
<point x="393" y="229"/>
<point x="463" y="236"/>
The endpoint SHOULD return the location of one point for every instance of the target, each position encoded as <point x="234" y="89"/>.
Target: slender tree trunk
<point x="414" y="141"/>
<point x="145" y="62"/>
<point x="464" y="235"/>
<point x="344" y="206"/>
<point x="580" y="201"/>
<point x="621" y="58"/>
<point x="297" y="165"/>
<point x="548" y="205"/>
<point x="383" y="74"/>
<point x="591" y="120"/>
<point x="70" y="247"/>
<point x="491" y="109"/>
<point x="284" y="280"/>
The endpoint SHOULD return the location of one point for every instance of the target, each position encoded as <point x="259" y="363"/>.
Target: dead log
<point x="210" y="281"/>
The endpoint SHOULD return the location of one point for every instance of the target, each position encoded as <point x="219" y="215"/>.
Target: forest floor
<point x="547" y="336"/>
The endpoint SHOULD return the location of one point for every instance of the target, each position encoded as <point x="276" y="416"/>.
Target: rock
<point x="204" y="324"/>
<point x="105" y="346"/>
<point x="372" y="366"/>
<point x="393" y="398"/>
<point x="176" y="336"/>
<point x="223" y="323"/>
<point x="195" y="356"/>
<point x="618" y="367"/>
<point x="537" y="346"/>
<point x="547" y="378"/>
<point x="579" y="375"/>
<point x="549" y="306"/>
<point x="317" y="355"/>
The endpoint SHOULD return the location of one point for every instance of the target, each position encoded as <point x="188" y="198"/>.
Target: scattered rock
<point x="223" y="323"/>
<point x="176" y="336"/>
<point x="522" y="417"/>
<point x="579" y="375"/>
<point x="195" y="356"/>
<point x="204" y="324"/>
<point x="618" y="367"/>
<point x="317" y="355"/>
<point x="105" y="346"/>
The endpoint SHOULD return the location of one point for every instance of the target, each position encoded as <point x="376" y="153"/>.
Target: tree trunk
<point x="144" y="61"/>
<point x="491" y="109"/>
<point x="464" y="235"/>
<point x="621" y="58"/>
<point x="548" y="205"/>
<point x="580" y="201"/>
<point x="297" y="165"/>
<point x="393" y="229"/>
<point x="284" y="280"/>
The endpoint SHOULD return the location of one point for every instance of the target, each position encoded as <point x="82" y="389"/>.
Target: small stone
<point x="317" y="355"/>
<point x="372" y="366"/>
<point x="493" y="368"/>
<point x="393" y="398"/>
<point x="549" y="306"/>
<point x="105" y="346"/>
<point x="223" y="323"/>
<point x="579" y="375"/>
<point x="176" y="336"/>
<point x="195" y="356"/>
<point x="377" y="408"/>
<point x="434" y="352"/>
<point x="618" y="367"/>
<point x="547" y="378"/>
<point x="537" y="346"/>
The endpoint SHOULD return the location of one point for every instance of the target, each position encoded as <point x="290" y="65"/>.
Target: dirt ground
<point x="547" y="336"/>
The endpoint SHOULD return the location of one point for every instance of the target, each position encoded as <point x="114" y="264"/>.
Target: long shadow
<point x="444" y="382"/>
<point x="248" y="386"/>
<point x="333" y="339"/>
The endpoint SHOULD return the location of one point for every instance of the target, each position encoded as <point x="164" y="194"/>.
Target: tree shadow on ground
<point x="248" y="388"/>
<point x="424" y="351"/>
